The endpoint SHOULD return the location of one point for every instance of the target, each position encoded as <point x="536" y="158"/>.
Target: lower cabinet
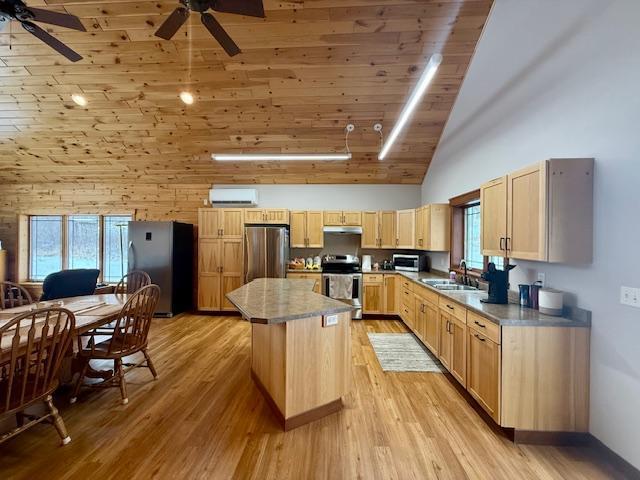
<point x="381" y="294"/>
<point x="373" y="298"/>
<point x="391" y="294"/>
<point x="483" y="372"/>
<point x="317" y="287"/>
<point x="220" y="266"/>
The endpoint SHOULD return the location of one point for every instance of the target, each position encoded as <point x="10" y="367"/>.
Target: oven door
<point x="356" y="293"/>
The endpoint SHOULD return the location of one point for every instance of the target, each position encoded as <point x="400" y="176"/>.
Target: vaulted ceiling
<point x="305" y="71"/>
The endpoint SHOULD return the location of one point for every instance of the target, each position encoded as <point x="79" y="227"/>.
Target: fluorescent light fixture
<point x="79" y="100"/>
<point x="187" y="98"/>
<point x="424" y="81"/>
<point x="267" y="157"/>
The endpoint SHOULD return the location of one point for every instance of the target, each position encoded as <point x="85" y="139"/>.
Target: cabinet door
<point x="209" y="223"/>
<point x="373" y="298"/>
<point x="277" y="216"/>
<point x="391" y="294"/>
<point x="483" y="372"/>
<point x="426" y="227"/>
<point x="298" y="230"/>
<point x="370" y="235"/>
<point x="419" y="237"/>
<point x="432" y="327"/>
<point x="231" y="222"/>
<point x="527" y="213"/>
<point x="493" y="217"/>
<point x="332" y="218"/>
<point x="229" y="284"/>
<point x="405" y="228"/>
<point x="232" y="260"/>
<point x="315" y="235"/>
<point x="209" y="291"/>
<point x="439" y="222"/>
<point x="209" y="256"/>
<point x="254" y="215"/>
<point x="458" y="335"/>
<point x="445" y="344"/>
<point x="352" y="219"/>
<point x="419" y="318"/>
<point x="387" y="229"/>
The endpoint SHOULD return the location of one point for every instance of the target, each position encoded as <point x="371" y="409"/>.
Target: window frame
<point x="25" y="240"/>
<point x="456" y="253"/>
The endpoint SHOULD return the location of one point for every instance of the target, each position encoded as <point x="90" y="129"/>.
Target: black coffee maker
<point x="498" y="283"/>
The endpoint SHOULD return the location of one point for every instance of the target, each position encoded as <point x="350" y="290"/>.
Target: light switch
<point x="630" y="296"/>
<point x="330" y="320"/>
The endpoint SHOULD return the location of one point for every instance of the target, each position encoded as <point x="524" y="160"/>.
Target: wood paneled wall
<point x="145" y="201"/>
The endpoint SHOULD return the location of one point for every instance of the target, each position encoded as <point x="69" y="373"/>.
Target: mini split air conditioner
<point x="242" y="197"/>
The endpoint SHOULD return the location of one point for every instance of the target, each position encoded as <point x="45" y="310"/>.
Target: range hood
<point x="352" y="230"/>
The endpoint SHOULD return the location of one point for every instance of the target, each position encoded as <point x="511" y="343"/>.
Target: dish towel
<point x="341" y="287"/>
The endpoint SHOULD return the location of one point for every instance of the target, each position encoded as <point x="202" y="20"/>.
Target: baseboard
<point x="551" y="438"/>
<point x="218" y="313"/>
<point x="620" y="464"/>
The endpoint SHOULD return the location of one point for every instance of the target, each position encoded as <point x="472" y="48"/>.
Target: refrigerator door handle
<point x="246" y="257"/>
<point x="132" y="256"/>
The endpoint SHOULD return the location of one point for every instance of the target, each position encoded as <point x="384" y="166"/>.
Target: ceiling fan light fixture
<point x="79" y="99"/>
<point x="418" y="91"/>
<point x="187" y="98"/>
<point x="269" y="157"/>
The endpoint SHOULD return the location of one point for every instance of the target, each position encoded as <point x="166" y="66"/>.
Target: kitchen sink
<point x="455" y="287"/>
<point x="432" y="282"/>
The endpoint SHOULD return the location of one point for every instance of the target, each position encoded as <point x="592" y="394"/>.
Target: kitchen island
<point x="300" y="347"/>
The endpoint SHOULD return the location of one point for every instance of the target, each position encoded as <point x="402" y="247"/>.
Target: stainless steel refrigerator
<point x="165" y="251"/>
<point x="266" y="251"/>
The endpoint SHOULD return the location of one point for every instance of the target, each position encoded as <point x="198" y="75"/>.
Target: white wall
<point x="554" y="79"/>
<point x="335" y="197"/>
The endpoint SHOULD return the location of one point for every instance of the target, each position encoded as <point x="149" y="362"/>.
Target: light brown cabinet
<point x="433" y="227"/>
<point x="427" y="323"/>
<point x="405" y="228"/>
<point x="391" y="294"/>
<point x="453" y="341"/>
<point x="306" y="229"/>
<point x="483" y="371"/>
<point x="541" y="212"/>
<point x="342" y="218"/>
<point x="316" y="277"/>
<point x="277" y="216"/>
<point x="373" y="298"/>
<point x="381" y="293"/>
<point x="220" y="223"/>
<point x="378" y="229"/>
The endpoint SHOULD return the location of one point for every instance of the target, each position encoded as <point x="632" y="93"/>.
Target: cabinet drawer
<point x="406" y="284"/>
<point x="373" y="278"/>
<point x="453" y="308"/>
<point x="428" y="295"/>
<point x="407" y="299"/>
<point x="483" y="326"/>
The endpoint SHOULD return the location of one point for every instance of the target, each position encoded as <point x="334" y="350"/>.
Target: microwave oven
<point x="410" y="263"/>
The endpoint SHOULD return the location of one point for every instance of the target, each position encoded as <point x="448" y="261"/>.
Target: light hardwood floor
<point x="204" y="418"/>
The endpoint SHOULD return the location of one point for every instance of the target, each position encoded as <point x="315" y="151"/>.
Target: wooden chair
<point x="128" y="336"/>
<point x="133" y="281"/>
<point x="32" y="348"/>
<point x="13" y="295"/>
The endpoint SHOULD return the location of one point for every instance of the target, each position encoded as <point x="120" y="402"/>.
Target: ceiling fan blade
<point x="171" y="25"/>
<point x="251" y="8"/>
<point x="53" y="42"/>
<point x="55" y="18"/>
<point x="219" y="34"/>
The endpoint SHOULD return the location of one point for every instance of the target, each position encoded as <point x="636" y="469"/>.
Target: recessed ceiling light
<point x="416" y="95"/>
<point x="262" y="157"/>
<point x="187" y="98"/>
<point x="79" y="99"/>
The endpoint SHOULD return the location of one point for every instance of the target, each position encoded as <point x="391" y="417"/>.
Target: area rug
<point x="403" y="352"/>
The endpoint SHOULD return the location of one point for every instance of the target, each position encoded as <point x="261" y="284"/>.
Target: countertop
<point x="506" y="315"/>
<point x="278" y="300"/>
<point x="302" y="270"/>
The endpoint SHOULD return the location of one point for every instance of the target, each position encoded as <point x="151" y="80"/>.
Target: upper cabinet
<point x="342" y="218"/>
<point x="306" y="229"/>
<point x="433" y="227"/>
<point x="220" y="222"/>
<point x="278" y="216"/>
<point x="542" y="212"/>
<point x="378" y="229"/>
<point x="406" y="228"/>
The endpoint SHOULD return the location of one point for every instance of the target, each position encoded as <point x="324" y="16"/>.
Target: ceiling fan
<point x="17" y="10"/>
<point x="252" y="8"/>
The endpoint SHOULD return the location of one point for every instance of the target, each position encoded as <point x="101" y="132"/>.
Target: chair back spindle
<point x="13" y="295"/>
<point x="133" y="281"/>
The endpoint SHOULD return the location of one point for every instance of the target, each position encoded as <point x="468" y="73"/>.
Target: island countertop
<point x="278" y="300"/>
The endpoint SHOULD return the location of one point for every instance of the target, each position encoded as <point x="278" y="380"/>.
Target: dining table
<point x="90" y="311"/>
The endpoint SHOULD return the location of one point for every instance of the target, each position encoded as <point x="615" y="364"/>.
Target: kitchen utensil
<point x="550" y="301"/>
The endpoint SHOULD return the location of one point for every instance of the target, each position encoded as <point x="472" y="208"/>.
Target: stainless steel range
<point x="342" y="277"/>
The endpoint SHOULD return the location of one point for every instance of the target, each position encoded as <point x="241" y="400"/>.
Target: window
<point x="58" y="242"/>
<point x="466" y="230"/>
<point x="45" y="245"/>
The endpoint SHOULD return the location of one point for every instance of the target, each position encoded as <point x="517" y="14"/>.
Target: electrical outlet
<point x="630" y="296"/>
<point x="541" y="278"/>
<point x="330" y="320"/>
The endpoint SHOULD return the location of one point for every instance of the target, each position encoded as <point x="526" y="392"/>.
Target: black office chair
<point x="70" y="283"/>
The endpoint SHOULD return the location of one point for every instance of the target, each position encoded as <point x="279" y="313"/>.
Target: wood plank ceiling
<point x="306" y="71"/>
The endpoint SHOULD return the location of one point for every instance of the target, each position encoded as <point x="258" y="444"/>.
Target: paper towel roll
<point x="550" y="301"/>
